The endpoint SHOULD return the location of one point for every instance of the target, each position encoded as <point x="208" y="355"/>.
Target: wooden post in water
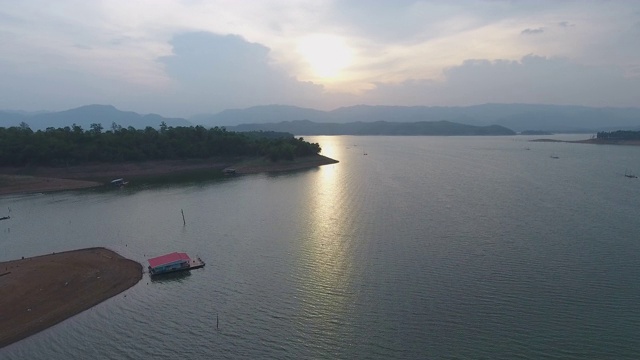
<point x="184" y="223"/>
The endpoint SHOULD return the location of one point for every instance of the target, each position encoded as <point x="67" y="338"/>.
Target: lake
<point x="425" y="247"/>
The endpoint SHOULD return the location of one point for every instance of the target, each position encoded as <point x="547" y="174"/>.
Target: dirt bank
<point x="11" y="184"/>
<point x="42" y="291"/>
<point x="43" y="179"/>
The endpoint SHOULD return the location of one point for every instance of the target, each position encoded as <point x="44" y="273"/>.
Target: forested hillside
<point x="20" y="146"/>
<point x="619" y="135"/>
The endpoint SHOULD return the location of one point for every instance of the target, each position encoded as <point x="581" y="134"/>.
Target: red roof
<point x="169" y="258"/>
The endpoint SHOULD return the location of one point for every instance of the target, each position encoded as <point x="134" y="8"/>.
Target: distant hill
<point x="259" y="115"/>
<point x="84" y="116"/>
<point x="519" y="117"/>
<point x="306" y="127"/>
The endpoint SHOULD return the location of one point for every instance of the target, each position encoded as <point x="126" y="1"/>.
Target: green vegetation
<point x="619" y="135"/>
<point x="20" y="146"/>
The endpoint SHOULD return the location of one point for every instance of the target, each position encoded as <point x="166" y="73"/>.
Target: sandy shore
<point x="43" y="179"/>
<point x="11" y="184"/>
<point x="42" y="291"/>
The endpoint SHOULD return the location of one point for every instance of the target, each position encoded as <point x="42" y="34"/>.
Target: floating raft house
<point x="173" y="262"/>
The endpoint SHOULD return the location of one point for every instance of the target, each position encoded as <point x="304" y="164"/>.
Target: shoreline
<point x="42" y="291"/>
<point x="593" y="141"/>
<point x="47" y="179"/>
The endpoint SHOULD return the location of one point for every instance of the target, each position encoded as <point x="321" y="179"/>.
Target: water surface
<point x="425" y="247"/>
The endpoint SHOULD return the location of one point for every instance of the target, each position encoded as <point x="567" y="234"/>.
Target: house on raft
<point x="173" y="262"/>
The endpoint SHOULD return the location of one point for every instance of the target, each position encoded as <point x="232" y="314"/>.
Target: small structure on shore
<point x="119" y="182"/>
<point x="173" y="262"/>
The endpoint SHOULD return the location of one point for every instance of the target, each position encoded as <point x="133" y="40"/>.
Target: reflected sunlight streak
<point x="327" y="277"/>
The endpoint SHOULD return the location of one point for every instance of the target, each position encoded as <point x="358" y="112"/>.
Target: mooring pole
<point x="184" y="223"/>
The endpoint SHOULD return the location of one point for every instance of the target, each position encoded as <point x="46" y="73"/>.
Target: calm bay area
<point x="409" y="247"/>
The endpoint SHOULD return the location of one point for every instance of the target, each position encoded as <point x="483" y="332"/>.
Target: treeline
<point x="619" y="135"/>
<point x="20" y="146"/>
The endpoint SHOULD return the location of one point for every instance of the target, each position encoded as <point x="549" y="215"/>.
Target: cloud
<point x="532" y="31"/>
<point x="532" y="79"/>
<point x="212" y="72"/>
<point x="180" y="57"/>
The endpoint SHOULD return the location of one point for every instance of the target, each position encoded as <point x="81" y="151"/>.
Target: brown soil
<point x="10" y="184"/>
<point x="43" y="179"/>
<point x="105" y="172"/>
<point x="42" y="291"/>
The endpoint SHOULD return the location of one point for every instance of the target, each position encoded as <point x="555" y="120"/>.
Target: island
<point x="39" y="292"/>
<point x="73" y="158"/>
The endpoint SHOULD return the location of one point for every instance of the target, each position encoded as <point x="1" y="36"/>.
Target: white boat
<point x="119" y="182"/>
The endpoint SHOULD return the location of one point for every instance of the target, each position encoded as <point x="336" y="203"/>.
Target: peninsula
<point x="41" y="291"/>
<point x="72" y="158"/>
<point x="46" y="179"/>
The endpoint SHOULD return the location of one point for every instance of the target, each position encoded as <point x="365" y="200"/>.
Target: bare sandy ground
<point x="10" y="184"/>
<point x="44" y="179"/>
<point x="42" y="291"/>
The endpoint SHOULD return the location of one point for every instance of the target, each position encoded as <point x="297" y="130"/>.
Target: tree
<point x="163" y="127"/>
<point x="24" y="126"/>
<point x="66" y="146"/>
<point x="96" y="128"/>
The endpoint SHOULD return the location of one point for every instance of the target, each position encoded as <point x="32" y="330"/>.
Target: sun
<point x="327" y="55"/>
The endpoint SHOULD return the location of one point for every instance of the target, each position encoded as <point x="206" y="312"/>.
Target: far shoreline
<point x="48" y="179"/>
<point x="592" y="141"/>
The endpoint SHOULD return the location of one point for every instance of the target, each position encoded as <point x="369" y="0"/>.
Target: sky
<point x="188" y="57"/>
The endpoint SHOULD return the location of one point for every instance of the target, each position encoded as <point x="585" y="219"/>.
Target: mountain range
<point x="84" y="116"/>
<point x="359" y="119"/>
<point x="307" y="127"/>
<point x="518" y="117"/>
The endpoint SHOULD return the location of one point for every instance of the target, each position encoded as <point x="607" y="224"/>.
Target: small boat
<point x="173" y="262"/>
<point x="5" y="218"/>
<point x="229" y="171"/>
<point x="630" y="175"/>
<point x="554" y="157"/>
<point x="119" y="182"/>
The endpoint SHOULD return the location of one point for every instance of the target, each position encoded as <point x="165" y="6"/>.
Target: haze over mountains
<point x="360" y="119"/>
<point x="84" y="116"/>
<point x="517" y="117"/>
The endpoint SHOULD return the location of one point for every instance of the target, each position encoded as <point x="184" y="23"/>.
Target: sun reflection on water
<point x="326" y="264"/>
